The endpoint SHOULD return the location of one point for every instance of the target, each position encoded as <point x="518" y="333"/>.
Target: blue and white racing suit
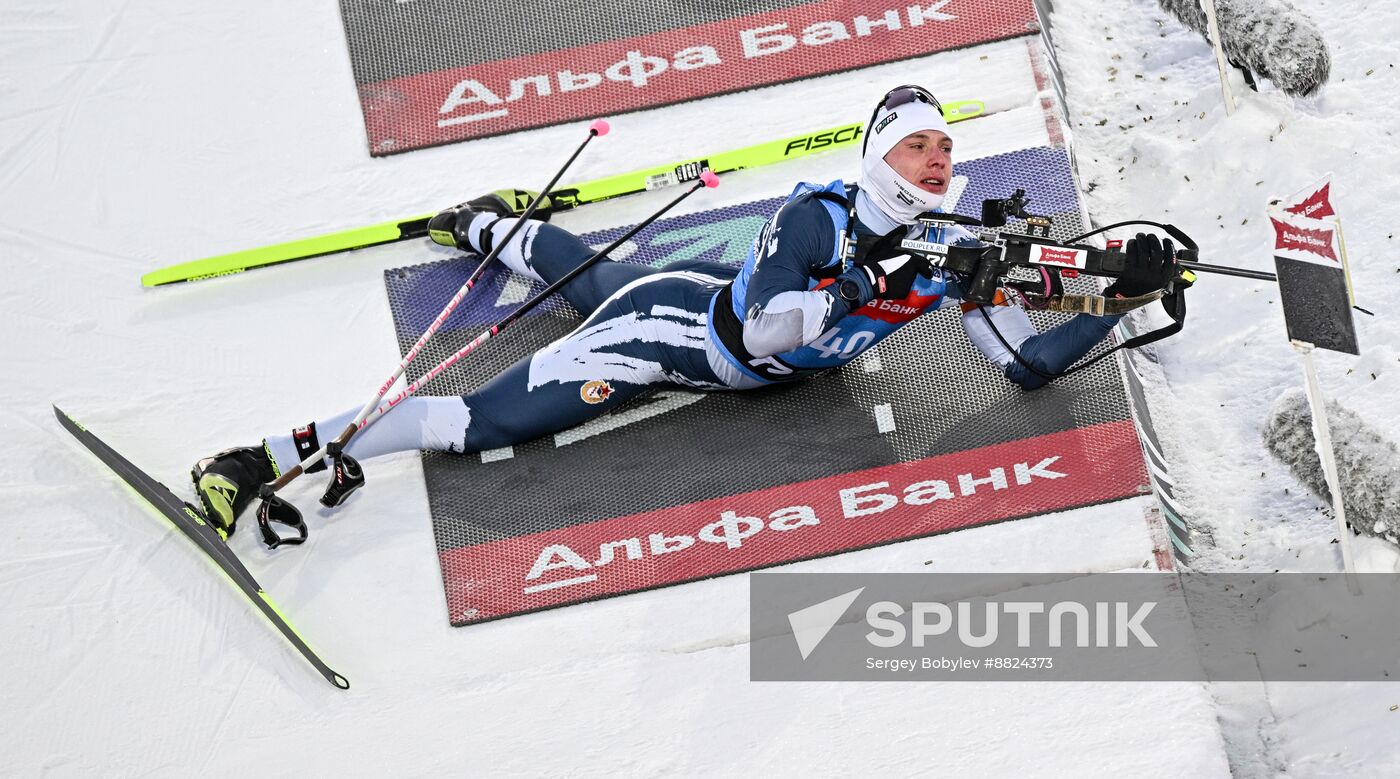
<point x="711" y="326"/>
<point x="701" y="325"/>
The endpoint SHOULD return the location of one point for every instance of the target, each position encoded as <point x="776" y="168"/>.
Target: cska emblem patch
<point x="595" y="392"/>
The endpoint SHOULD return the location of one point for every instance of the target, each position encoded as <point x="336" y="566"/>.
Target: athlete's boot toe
<point x="227" y="482"/>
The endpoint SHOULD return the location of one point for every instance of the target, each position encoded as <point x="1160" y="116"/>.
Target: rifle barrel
<point x="1226" y="270"/>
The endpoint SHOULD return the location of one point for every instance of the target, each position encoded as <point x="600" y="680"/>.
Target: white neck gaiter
<point x="892" y="194"/>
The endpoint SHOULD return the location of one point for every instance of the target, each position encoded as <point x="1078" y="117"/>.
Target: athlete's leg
<point x="650" y="334"/>
<point x="417" y="423"/>
<point x="547" y="253"/>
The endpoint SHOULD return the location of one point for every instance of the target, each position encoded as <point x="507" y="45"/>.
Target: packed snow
<point x="1153" y="138"/>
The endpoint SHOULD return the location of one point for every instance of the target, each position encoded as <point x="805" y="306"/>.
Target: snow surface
<point x="139" y="135"/>
<point x="1153" y="139"/>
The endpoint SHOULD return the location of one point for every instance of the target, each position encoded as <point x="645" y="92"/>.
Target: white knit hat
<point x="899" y="198"/>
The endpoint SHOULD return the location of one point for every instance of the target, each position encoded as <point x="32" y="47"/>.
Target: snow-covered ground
<point x="146" y="134"/>
<point x="1153" y="140"/>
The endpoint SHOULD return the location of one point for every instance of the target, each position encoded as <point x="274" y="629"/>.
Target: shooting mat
<point x="919" y="436"/>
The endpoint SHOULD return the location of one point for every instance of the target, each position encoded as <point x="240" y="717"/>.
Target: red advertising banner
<point x="1053" y="472"/>
<point x="419" y="109"/>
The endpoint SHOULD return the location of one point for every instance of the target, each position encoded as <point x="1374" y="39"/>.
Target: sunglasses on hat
<point x="895" y="98"/>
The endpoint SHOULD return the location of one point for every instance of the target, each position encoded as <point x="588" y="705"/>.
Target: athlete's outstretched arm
<point x="1050" y="352"/>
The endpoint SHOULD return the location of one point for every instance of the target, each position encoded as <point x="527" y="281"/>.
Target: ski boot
<point x="228" y="481"/>
<point x="449" y="227"/>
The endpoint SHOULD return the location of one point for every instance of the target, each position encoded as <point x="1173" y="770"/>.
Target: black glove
<point x="1150" y="266"/>
<point x="888" y="269"/>
<point x="893" y="277"/>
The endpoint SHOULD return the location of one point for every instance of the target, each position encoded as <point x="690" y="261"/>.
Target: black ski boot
<point x="449" y="227"/>
<point x="228" y="482"/>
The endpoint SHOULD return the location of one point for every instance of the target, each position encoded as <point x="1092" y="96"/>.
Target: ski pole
<point x="348" y="475"/>
<point x="598" y="127"/>
<point x="707" y="179"/>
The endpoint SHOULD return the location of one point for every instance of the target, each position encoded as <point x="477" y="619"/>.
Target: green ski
<point x="188" y="520"/>
<point x="563" y="199"/>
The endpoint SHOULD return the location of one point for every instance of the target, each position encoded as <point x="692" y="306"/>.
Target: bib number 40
<point x="831" y="344"/>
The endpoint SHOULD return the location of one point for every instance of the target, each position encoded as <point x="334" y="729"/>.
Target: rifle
<point x="1032" y="265"/>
